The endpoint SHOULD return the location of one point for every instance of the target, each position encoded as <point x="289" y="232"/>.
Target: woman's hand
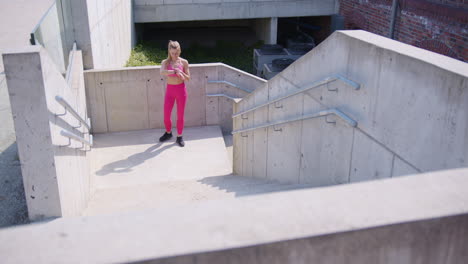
<point x="179" y="74"/>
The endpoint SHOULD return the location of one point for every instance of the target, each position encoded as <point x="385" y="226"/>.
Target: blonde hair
<point x="172" y="45"/>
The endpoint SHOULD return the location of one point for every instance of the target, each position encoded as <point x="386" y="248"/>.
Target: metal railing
<point x="230" y="84"/>
<point x="73" y="136"/>
<point x="331" y="111"/>
<point x="326" y="80"/>
<point x="235" y="99"/>
<point x="72" y="111"/>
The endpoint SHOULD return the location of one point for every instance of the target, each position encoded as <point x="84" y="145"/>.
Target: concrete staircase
<point x="133" y="171"/>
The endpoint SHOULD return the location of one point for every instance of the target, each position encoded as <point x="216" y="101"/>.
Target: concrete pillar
<point x="272" y="33"/>
<point x="26" y="88"/>
<point x="267" y="29"/>
<point x="337" y="23"/>
<point x="80" y="20"/>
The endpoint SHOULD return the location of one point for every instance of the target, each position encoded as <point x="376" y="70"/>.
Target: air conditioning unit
<point x="266" y="54"/>
<point x="275" y="67"/>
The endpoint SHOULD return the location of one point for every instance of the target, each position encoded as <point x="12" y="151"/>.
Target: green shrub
<point x="235" y="54"/>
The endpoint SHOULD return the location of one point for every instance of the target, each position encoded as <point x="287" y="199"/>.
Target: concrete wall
<point x="133" y="98"/>
<point x="185" y="10"/>
<point x="111" y="32"/>
<point x="103" y="30"/>
<point x="406" y="220"/>
<point x="56" y="179"/>
<point x="411" y="111"/>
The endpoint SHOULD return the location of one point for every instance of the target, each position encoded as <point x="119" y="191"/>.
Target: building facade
<point x="435" y="25"/>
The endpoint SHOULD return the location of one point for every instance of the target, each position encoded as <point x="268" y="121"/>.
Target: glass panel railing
<point x="55" y="33"/>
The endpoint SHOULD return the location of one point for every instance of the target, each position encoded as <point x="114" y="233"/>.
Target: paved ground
<point x="135" y="158"/>
<point x="17" y="19"/>
<point x="132" y="171"/>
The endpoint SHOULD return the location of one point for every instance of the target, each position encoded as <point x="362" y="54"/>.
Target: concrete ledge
<point x="195" y="65"/>
<point x="151" y="67"/>
<point x="187" y="10"/>
<point x="438" y="60"/>
<point x="252" y="221"/>
<point x="131" y="98"/>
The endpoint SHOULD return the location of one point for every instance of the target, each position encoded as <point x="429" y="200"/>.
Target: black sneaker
<point x="165" y="137"/>
<point x="180" y="141"/>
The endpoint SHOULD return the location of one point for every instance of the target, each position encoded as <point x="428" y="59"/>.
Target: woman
<point x="177" y="71"/>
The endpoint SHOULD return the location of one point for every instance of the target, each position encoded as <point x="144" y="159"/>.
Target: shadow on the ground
<point x="126" y="165"/>
<point x="243" y="186"/>
<point x="13" y="206"/>
<point x="140" y="137"/>
<point x="227" y="139"/>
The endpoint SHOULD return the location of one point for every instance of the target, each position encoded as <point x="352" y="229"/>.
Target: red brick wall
<point x="437" y="25"/>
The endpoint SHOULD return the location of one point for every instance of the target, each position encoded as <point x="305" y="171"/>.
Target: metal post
<point x="393" y="19"/>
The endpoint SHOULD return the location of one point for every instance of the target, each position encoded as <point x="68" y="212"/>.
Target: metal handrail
<point x="68" y="107"/>
<point x="312" y="86"/>
<point x="235" y="99"/>
<point x="230" y="84"/>
<point x="331" y="111"/>
<point x="70" y="64"/>
<point x="70" y="136"/>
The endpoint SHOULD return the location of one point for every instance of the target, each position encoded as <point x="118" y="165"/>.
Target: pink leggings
<point x="175" y="92"/>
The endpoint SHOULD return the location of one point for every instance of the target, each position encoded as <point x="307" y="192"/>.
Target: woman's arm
<point x="163" y="70"/>
<point x="186" y="72"/>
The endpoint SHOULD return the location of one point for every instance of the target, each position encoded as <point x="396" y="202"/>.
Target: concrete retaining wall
<point x="411" y="111"/>
<point x="133" y="98"/>
<point x="185" y="10"/>
<point x="406" y="220"/>
<point x="56" y="179"/>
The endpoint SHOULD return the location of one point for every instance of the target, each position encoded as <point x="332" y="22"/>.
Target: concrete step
<point x="132" y="171"/>
<point x="175" y="193"/>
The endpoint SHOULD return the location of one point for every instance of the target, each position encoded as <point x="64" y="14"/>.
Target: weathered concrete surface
<point x="366" y="224"/>
<point x="397" y="132"/>
<point x="103" y="30"/>
<point x="126" y="99"/>
<point x="137" y="158"/>
<point x="354" y="247"/>
<point x="17" y="19"/>
<point x="186" y="10"/>
<point x="134" y="172"/>
<point x="170" y="194"/>
<point x="56" y="178"/>
<point x="111" y="32"/>
<point x="27" y="89"/>
<point x="72" y="165"/>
